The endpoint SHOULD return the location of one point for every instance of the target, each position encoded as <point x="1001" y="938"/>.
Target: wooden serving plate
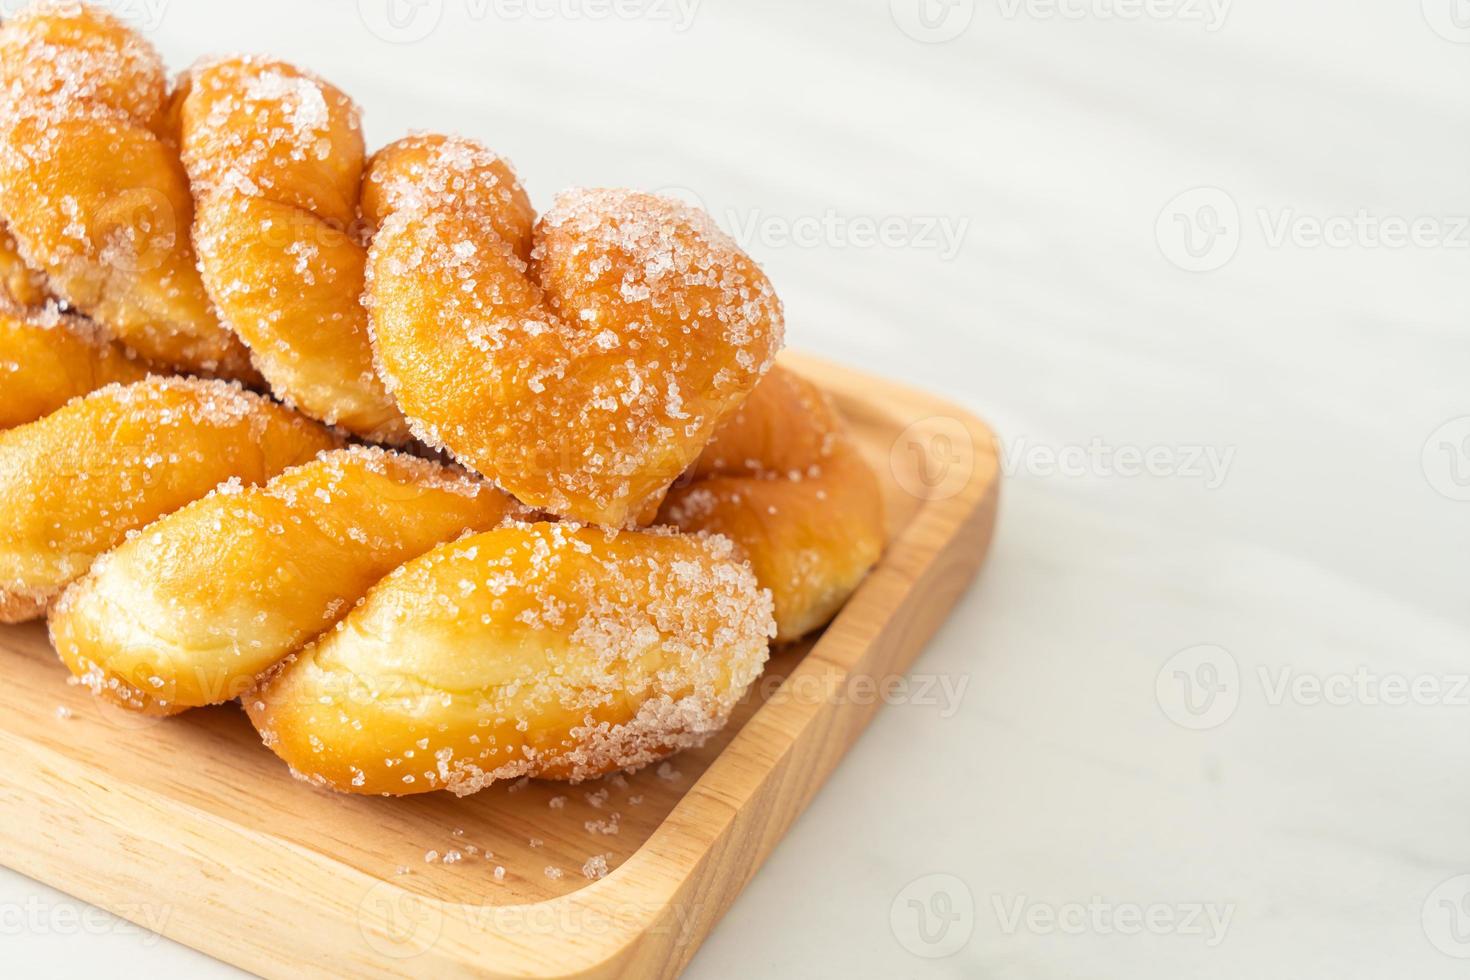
<point x="189" y="827"/>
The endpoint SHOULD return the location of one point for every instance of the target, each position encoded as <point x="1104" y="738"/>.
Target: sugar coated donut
<point x="547" y="650"/>
<point x="96" y="199"/>
<point x="48" y="358"/>
<point x="784" y="482"/>
<point x="391" y="624"/>
<point x="192" y="609"/>
<point x="275" y="157"/>
<point x="77" y="481"/>
<point x="585" y="380"/>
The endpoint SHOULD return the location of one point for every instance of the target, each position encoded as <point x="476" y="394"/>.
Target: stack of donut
<point x="442" y="492"/>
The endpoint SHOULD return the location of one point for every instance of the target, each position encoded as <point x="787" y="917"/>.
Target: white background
<point x="1050" y="141"/>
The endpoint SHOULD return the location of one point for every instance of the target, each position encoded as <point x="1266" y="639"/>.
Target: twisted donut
<point x="193" y="609"/>
<point x="784" y="482"/>
<point x="93" y="193"/>
<point x="582" y="362"/>
<point x="19" y="283"/>
<point x="48" y="358"/>
<point x="554" y="651"/>
<point x="77" y="481"/>
<point x="275" y="157"/>
<point x="585" y="380"/>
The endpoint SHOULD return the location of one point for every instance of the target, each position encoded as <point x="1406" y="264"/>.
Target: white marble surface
<point x="1323" y="544"/>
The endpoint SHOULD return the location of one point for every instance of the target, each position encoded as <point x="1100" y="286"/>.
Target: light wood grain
<point x="189" y="827"/>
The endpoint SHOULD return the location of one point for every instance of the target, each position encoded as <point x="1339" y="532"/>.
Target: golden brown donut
<point x="77" y="481"/>
<point x="191" y="610"/>
<point x="48" y="358"/>
<point x="784" y="481"/>
<point x="546" y="650"/>
<point x="94" y="197"/>
<point x="585" y="381"/>
<point x="275" y="156"/>
<point x="19" y="283"/>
